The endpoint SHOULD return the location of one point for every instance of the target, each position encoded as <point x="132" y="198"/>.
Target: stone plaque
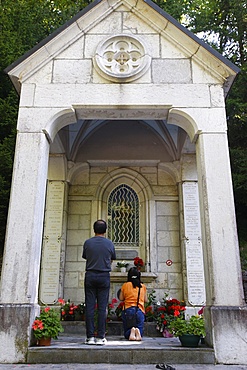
<point x="191" y="210"/>
<point x="193" y="245"/>
<point x="126" y="254"/>
<point x="50" y="265"/>
<point x="195" y="273"/>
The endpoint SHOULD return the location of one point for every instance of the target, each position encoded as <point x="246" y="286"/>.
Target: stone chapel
<point x="122" y="117"/>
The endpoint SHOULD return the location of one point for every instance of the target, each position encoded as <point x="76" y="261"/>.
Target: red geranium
<point x="138" y="262"/>
<point x="168" y="311"/>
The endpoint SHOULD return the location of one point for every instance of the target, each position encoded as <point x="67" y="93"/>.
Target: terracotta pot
<point x="44" y="342"/>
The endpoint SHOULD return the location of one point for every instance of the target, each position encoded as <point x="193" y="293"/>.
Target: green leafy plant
<point x="194" y="325"/>
<point x="47" y="324"/>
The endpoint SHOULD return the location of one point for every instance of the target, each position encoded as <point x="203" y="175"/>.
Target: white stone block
<point x="74" y="51"/>
<point x="168" y="238"/>
<point x="71" y="253"/>
<point x="171" y="71"/>
<point x="151" y="178"/>
<point x="95" y="178"/>
<point x="57" y="168"/>
<point x="165" y="178"/>
<point x="77" y="237"/>
<point x="178" y="95"/>
<point x="153" y="44"/>
<point x="167" y="223"/>
<point x="79" y="208"/>
<point x="200" y="74"/>
<point x="183" y="42"/>
<point x="171" y="50"/>
<point x="42" y="75"/>
<point x="27" y="95"/>
<point x="217" y="96"/>
<point x="165" y="190"/>
<point x="188" y="168"/>
<point x="74" y="267"/>
<point x="91" y="43"/>
<point x="209" y="120"/>
<point x="134" y="24"/>
<point x="167" y="208"/>
<point x="71" y="280"/>
<point x="175" y="281"/>
<point x="72" y="71"/>
<point x="110" y="25"/>
<point x="85" y="190"/>
<point x="75" y="295"/>
<point x="98" y="79"/>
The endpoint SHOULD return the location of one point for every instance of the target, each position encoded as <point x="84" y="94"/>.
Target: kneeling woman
<point x="134" y="294"/>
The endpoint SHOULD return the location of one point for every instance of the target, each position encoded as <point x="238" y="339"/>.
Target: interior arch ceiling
<point x="122" y="140"/>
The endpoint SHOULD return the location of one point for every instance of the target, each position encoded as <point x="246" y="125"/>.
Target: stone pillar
<point x="226" y="315"/>
<point x="191" y="236"/>
<point x="21" y="263"/>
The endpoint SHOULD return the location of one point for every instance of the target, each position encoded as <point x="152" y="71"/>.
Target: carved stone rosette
<point x="122" y="58"/>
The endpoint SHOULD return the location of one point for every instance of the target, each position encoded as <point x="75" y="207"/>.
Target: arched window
<point x="123" y="216"/>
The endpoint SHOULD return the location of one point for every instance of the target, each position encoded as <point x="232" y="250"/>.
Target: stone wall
<point x="166" y="243"/>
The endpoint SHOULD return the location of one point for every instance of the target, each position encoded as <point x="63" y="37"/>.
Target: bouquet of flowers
<point x="69" y="310"/>
<point x="111" y="307"/>
<point x="138" y="262"/>
<point x="170" y="309"/>
<point x="119" y="309"/>
<point x="150" y="306"/>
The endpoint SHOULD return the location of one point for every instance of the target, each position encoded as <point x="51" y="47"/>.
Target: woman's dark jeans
<point x="97" y="286"/>
<point x="140" y="321"/>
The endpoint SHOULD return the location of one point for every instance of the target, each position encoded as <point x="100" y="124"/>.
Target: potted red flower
<point x="47" y="326"/>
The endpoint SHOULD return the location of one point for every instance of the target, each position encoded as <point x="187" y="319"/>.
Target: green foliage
<point x="23" y="24"/>
<point x="195" y="325"/>
<point x="47" y="324"/>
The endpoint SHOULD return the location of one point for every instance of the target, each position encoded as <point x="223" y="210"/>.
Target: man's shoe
<point x="101" y="341"/>
<point x="90" y="340"/>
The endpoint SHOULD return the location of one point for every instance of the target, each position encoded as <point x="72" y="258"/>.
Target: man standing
<point x="99" y="253"/>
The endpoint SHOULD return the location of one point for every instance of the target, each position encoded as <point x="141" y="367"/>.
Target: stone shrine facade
<point x="122" y="117"/>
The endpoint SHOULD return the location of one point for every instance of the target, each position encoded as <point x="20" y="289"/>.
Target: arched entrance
<point x="103" y="159"/>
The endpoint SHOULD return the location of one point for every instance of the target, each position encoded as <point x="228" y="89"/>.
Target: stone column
<point x="226" y="314"/>
<point x="21" y="263"/>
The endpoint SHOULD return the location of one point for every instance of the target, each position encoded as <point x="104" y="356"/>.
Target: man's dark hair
<point x="99" y="227"/>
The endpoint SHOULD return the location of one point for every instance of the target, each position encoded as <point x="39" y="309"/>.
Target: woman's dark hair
<point x="99" y="227"/>
<point x="134" y="276"/>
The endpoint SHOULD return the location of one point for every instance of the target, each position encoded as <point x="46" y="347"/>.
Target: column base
<point x="15" y="331"/>
<point x="228" y="333"/>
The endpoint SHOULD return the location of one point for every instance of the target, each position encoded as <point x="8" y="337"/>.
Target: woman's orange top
<point x="131" y="294"/>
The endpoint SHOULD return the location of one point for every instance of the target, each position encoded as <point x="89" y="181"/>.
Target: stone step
<point x="112" y="327"/>
<point x="70" y="348"/>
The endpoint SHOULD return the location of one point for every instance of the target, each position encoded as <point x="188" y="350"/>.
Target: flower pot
<point x="68" y="317"/>
<point x="44" y="342"/>
<point x="190" y="340"/>
<point x="123" y="269"/>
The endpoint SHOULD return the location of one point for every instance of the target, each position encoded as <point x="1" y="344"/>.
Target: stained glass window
<point x="123" y="216"/>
